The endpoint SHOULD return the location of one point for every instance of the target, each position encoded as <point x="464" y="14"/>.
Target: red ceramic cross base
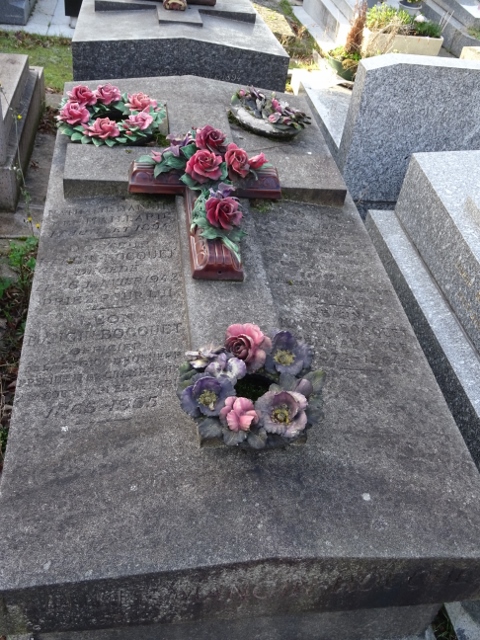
<point x="210" y="259"/>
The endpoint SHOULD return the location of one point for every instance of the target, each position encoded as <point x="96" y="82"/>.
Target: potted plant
<point x="345" y="59"/>
<point x="388" y="29"/>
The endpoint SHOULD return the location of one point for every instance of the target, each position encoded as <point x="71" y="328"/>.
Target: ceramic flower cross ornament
<point x="213" y="174"/>
<point x="256" y="391"/>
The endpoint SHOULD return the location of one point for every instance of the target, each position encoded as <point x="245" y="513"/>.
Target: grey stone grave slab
<point x="436" y="207"/>
<point x="113" y="518"/>
<point x="306" y="168"/>
<point x="21" y="105"/>
<point x="233" y="44"/>
<point x="452" y="357"/>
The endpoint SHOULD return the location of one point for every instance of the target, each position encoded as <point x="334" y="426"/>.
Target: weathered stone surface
<point x="438" y="208"/>
<point x="19" y="126"/>
<point x="403" y="104"/>
<point x="306" y="168"/>
<point x="453" y="360"/>
<point x="465" y="618"/>
<point x="111" y="515"/>
<point x="315" y="626"/>
<point x="135" y="44"/>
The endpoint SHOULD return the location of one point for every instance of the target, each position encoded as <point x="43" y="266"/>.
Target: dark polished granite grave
<point x="229" y="41"/>
<point x="113" y="518"/>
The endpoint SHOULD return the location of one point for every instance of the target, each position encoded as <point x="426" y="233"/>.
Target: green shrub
<point x="430" y="29"/>
<point x="381" y="17"/>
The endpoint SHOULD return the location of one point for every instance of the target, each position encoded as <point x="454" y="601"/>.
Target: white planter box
<point x="377" y="42"/>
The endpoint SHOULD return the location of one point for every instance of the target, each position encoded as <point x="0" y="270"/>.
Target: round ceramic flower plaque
<point x="254" y="392"/>
<point x="267" y="116"/>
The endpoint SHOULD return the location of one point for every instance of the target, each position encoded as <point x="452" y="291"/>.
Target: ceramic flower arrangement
<point x="105" y="116"/>
<point x="267" y="115"/>
<point x="255" y="391"/>
<point x="209" y="165"/>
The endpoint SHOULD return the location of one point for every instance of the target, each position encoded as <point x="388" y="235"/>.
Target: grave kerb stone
<point x="436" y="208"/>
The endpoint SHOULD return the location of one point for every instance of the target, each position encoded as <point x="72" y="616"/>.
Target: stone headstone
<point x="403" y="104"/>
<point x="430" y="249"/>
<point x="228" y="41"/>
<point x="115" y="522"/>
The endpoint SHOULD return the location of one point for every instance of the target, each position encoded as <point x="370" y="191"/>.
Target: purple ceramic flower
<point x="177" y="142"/>
<point x="231" y="368"/>
<point x="238" y="414"/>
<point x="282" y="412"/>
<point x="288" y="355"/>
<point x="206" y="395"/>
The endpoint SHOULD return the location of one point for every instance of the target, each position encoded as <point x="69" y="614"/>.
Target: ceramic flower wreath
<point x="255" y="391"/>
<point x="106" y="116"/>
<point x="277" y="113"/>
<point x="209" y="165"/>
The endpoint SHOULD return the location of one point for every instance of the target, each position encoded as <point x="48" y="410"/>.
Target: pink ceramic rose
<point x="211" y="139"/>
<point x="238" y="414"/>
<point x="223" y="213"/>
<point x="204" y="166"/>
<point x="248" y="343"/>
<point x="237" y="161"/>
<point x="257" y="161"/>
<point x="83" y="95"/>
<point x="107" y="93"/>
<point x="74" y="113"/>
<point x="141" y="120"/>
<point x="102" y="128"/>
<point x="140" y="102"/>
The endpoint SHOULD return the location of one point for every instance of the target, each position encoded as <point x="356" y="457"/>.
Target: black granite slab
<point x="113" y="517"/>
<point x="234" y="44"/>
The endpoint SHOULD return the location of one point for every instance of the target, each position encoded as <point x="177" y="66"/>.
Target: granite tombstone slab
<point x="229" y="41"/>
<point x="444" y="225"/>
<point x="403" y="104"/>
<point x="113" y="517"/>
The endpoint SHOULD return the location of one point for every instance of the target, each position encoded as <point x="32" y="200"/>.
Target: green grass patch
<point x="474" y="32"/>
<point x="52" y="53"/>
<point x="14" y="299"/>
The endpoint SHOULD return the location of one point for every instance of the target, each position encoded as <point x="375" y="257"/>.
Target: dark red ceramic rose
<point x="237" y="161"/>
<point x="224" y="214"/>
<point x="204" y="166"/>
<point x="210" y="139"/>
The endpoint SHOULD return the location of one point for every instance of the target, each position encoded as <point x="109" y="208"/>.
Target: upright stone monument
<point x="140" y="38"/>
<point x="116" y="525"/>
<point x="400" y="104"/>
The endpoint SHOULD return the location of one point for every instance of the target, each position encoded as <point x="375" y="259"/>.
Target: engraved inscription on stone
<point x="110" y="327"/>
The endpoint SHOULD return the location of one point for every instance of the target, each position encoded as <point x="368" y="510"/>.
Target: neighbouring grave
<point x="116" y="525"/>
<point x="21" y="99"/>
<point x="400" y="104"/>
<point x="228" y="41"/>
<point x="15" y="11"/>
<point x="430" y="247"/>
